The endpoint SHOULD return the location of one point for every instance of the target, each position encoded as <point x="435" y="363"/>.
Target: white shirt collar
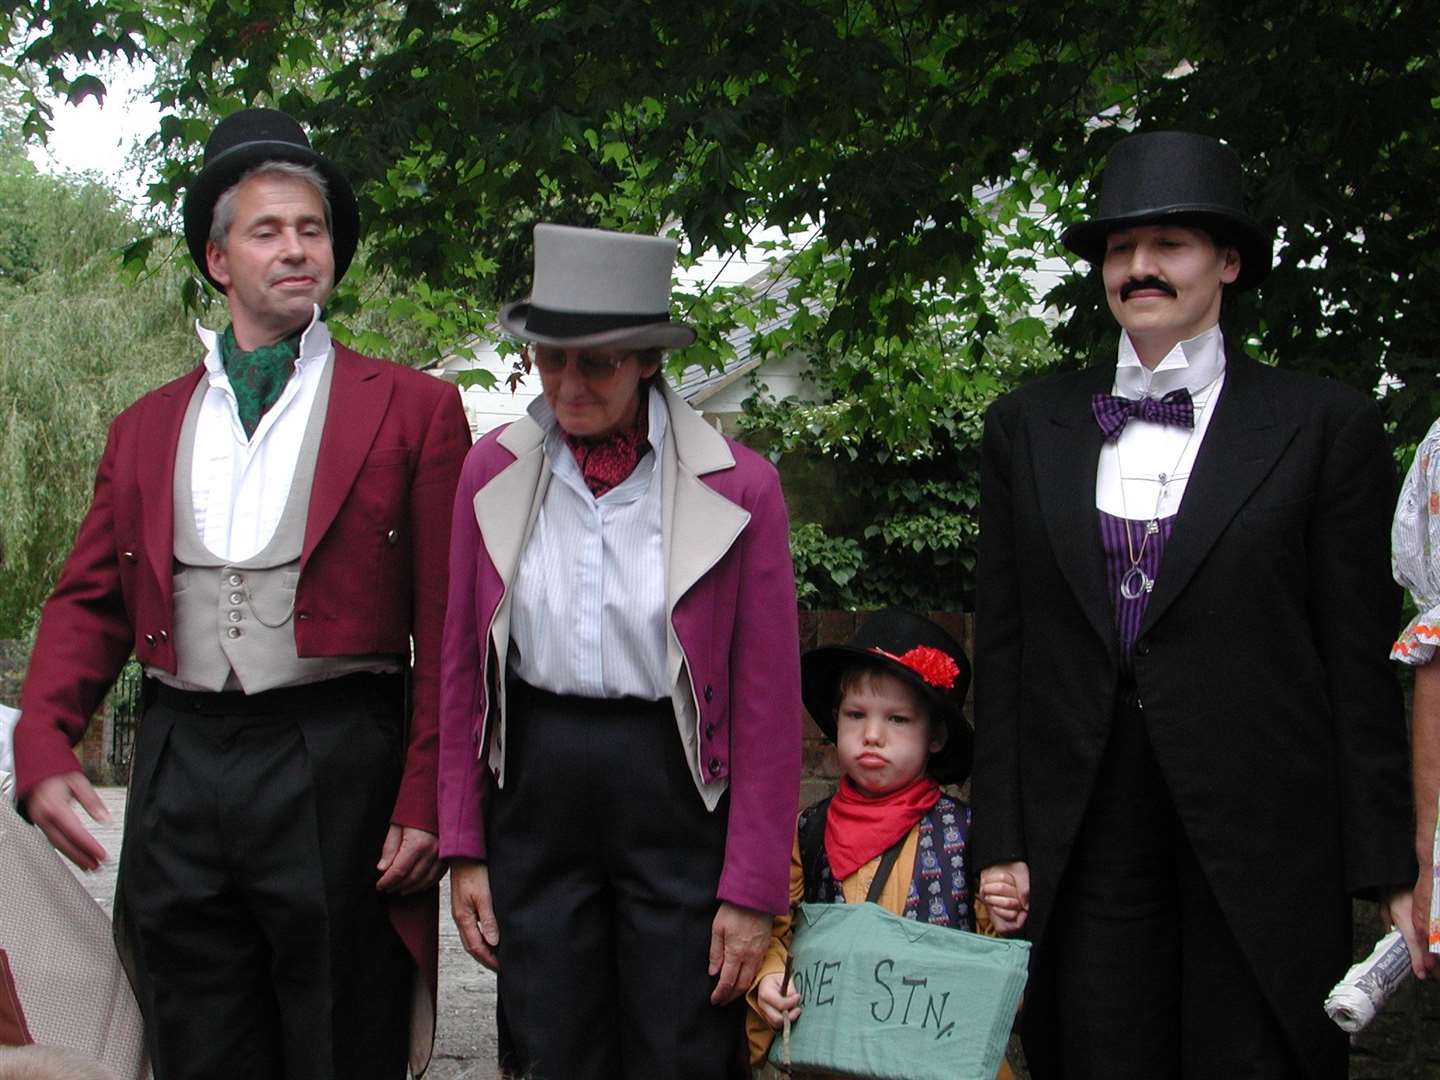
<point x="314" y="345"/>
<point x="1193" y="364"/>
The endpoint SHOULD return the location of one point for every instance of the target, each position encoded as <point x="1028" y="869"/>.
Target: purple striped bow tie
<point x="1112" y="411"/>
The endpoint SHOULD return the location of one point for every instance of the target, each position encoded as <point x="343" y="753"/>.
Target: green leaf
<point x="480" y="377"/>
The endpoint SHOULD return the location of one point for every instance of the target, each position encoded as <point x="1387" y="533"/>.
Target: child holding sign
<point x="890" y="699"/>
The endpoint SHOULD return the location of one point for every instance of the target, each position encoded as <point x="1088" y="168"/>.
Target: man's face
<point x="277" y="262"/>
<point x="1163" y="282"/>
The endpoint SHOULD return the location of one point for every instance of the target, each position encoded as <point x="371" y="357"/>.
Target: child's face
<point x="882" y="733"/>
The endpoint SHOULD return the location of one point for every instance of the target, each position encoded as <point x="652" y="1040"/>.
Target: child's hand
<point x="774" y="1005"/>
<point x="1005" y="889"/>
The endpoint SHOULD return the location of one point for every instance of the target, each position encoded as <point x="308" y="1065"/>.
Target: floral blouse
<point x="1414" y="544"/>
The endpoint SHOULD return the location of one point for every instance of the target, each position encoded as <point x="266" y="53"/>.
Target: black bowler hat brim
<point x="896" y="632"/>
<point x="1087" y="238"/>
<point x="257" y="136"/>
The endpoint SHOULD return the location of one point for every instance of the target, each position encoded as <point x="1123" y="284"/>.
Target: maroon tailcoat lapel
<point x="360" y="391"/>
<point x="164" y="415"/>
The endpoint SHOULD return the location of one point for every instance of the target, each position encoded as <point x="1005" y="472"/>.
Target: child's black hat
<point x="920" y="654"/>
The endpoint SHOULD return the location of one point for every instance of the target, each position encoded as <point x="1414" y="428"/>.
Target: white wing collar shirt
<point x="589" y="608"/>
<point x="1143" y="472"/>
<point x="240" y="484"/>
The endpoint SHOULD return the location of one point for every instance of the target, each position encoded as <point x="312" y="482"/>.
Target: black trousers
<point x="1139" y="976"/>
<point x="247" y="888"/>
<point x="603" y="869"/>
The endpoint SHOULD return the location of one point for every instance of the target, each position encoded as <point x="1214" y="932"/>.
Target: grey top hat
<point x="598" y="289"/>
<point x="1180" y="177"/>
<point x="248" y="138"/>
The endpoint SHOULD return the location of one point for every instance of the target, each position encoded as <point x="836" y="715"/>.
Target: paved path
<point x="465" y="1035"/>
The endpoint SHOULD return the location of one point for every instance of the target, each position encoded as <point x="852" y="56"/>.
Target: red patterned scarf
<point x="859" y="827"/>
<point x="607" y="461"/>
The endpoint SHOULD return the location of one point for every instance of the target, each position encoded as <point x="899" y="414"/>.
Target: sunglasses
<point x="596" y="368"/>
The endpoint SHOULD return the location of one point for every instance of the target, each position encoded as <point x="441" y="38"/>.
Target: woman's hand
<point x="774" y="1006"/>
<point x="472" y="911"/>
<point x="738" y="939"/>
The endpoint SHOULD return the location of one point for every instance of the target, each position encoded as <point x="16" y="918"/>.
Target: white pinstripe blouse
<point x="588" y="613"/>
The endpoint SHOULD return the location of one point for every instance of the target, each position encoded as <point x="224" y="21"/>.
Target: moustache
<point x="1144" y="283"/>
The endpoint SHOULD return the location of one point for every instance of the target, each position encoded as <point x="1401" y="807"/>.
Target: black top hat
<point x="245" y="139"/>
<point x="1174" y="176"/>
<point x="917" y="652"/>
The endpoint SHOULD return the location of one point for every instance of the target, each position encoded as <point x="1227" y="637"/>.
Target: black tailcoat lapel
<point x="1067" y="449"/>
<point x="1245" y="439"/>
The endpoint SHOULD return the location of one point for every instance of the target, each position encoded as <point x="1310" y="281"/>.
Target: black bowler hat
<point x="1177" y="177"/>
<point x="918" y="653"/>
<point x="245" y="139"/>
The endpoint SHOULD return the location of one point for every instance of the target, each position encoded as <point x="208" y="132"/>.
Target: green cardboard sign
<point x="894" y="999"/>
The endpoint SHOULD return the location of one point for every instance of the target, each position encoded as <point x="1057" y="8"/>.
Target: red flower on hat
<point x="934" y="666"/>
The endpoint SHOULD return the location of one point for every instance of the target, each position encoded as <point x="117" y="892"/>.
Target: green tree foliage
<point x="938" y="147"/>
<point x="78" y="342"/>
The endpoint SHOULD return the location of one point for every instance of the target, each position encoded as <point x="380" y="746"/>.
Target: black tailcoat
<point x="1262" y="664"/>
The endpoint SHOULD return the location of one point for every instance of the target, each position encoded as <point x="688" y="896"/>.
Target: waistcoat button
<point x="392" y="537"/>
<point x="233" y="632"/>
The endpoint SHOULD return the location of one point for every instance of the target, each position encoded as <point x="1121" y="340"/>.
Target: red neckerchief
<point x="607" y="461"/>
<point x="859" y="827"/>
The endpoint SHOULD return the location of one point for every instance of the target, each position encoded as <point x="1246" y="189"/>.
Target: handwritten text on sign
<point x="898" y="999"/>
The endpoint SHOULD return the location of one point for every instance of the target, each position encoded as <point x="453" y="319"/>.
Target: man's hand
<point x="1005" y="888"/>
<point x="49" y="807"/>
<point x="1397" y="910"/>
<point x="409" y="860"/>
<point x="472" y="911"/>
<point x="738" y="938"/>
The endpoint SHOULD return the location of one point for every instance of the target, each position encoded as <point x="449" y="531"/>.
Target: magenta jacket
<point x="733" y="649"/>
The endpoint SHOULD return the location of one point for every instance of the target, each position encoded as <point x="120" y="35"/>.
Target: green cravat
<point x="258" y="377"/>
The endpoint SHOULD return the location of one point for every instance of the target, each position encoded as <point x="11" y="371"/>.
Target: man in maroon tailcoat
<point x="269" y="537"/>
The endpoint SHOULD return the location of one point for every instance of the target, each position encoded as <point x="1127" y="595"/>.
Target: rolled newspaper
<point x="1355" y="999"/>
